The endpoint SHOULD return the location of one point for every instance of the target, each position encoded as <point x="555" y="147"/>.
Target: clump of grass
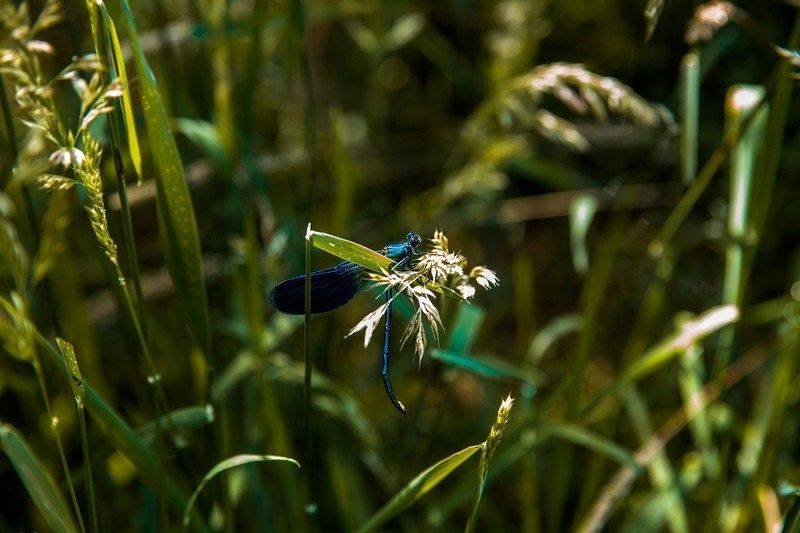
<point x="437" y="268"/>
<point x="77" y="152"/>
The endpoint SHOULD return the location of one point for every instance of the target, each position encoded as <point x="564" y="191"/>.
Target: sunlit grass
<point x="158" y="170"/>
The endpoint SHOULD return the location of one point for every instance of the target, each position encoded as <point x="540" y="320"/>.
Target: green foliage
<point x="625" y="171"/>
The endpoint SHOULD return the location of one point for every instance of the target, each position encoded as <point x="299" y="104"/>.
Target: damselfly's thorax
<point x="405" y="250"/>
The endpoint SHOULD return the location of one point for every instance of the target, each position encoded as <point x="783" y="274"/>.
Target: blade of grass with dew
<point x="581" y="213"/>
<point x="125" y="439"/>
<point x="350" y="251"/>
<point x="128" y="116"/>
<point x="742" y="100"/>
<point x="37" y="480"/>
<point x="174" y="204"/>
<point x="230" y="462"/>
<point x="418" y="487"/>
<point x="75" y="379"/>
<point x="689" y="86"/>
<point x="487" y="451"/>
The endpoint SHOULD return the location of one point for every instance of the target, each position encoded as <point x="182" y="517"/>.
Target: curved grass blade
<point x="128" y="116"/>
<point x="419" y="486"/>
<point x="174" y="204"/>
<point x="37" y="480"/>
<point x="350" y="251"/>
<point x="488" y="367"/>
<point x="230" y="462"/>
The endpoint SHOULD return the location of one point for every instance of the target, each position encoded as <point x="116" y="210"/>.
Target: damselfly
<point x="333" y="287"/>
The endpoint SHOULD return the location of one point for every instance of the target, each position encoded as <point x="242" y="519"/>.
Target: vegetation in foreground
<point x="626" y="171"/>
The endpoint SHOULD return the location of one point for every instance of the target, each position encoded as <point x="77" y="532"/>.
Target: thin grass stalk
<point x="703" y="179"/>
<point x="662" y="475"/>
<point x="53" y="420"/>
<point x="102" y="44"/>
<point x="689" y="114"/>
<point x="634" y="347"/>
<point x="307" y="392"/>
<point x="75" y="379"/>
<point x="591" y="304"/>
<point x="741" y="101"/>
<point x="253" y="63"/>
<point x="216" y="12"/>
<point x="690" y="379"/>
<point x="13" y="148"/>
<point x="298" y="17"/>
<point x="87" y="469"/>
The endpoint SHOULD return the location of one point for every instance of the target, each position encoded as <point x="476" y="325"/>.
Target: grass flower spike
<point x="437" y="270"/>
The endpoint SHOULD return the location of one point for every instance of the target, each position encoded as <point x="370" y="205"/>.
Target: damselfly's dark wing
<point x="330" y="288"/>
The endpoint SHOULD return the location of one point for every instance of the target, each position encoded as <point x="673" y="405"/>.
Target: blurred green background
<point x="621" y="185"/>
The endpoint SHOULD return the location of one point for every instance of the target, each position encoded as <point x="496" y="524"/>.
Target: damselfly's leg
<point x="387" y="381"/>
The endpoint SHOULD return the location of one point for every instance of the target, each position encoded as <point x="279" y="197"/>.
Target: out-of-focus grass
<point x="646" y="242"/>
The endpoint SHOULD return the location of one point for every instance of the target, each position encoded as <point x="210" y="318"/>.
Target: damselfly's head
<point x="413" y="240"/>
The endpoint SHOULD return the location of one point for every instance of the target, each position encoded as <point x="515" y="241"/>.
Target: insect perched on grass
<point x="333" y="287"/>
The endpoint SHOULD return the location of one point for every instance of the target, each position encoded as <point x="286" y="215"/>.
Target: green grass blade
<point x="583" y="437"/>
<point x="128" y="116"/>
<point x="689" y="115"/>
<point x="466" y="324"/>
<point x="37" y="480"/>
<point x="230" y="462"/>
<point x="174" y="204"/>
<point x="350" y="251"/>
<point x="558" y="328"/>
<point x="419" y="486"/>
<point x="742" y="101"/>
<point x="691" y="332"/>
<point x="486" y="366"/>
<point x="581" y="214"/>
<point x="185" y="418"/>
